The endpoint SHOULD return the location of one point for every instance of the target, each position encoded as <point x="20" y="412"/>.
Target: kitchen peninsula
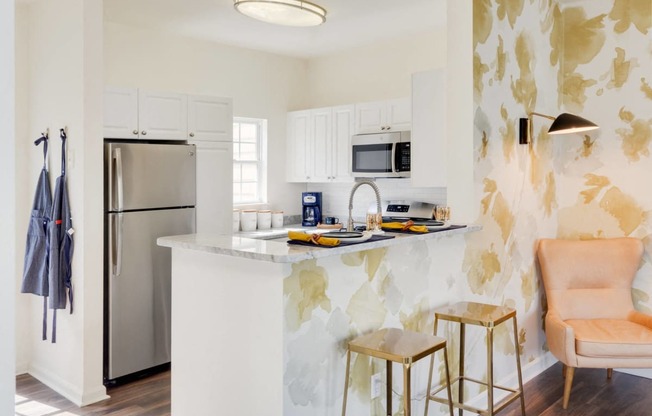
<point x="260" y="327"/>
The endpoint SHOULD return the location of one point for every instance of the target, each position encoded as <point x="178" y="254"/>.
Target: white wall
<point x="375" y="72"/>
<point x="25" y="185"/>
<point x="262" y="85"/>
<point x="8" y="264"/>
<point x="63" y="87"/>
<point x="461" y="185"/>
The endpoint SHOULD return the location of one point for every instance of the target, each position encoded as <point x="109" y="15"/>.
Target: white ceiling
<point x="349" y="23"/>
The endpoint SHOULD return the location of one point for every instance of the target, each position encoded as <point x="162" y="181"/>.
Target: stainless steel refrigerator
<point x="149" y="192"/>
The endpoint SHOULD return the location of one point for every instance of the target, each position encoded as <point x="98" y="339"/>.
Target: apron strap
<point x="44" y="138"/>
<point x="54" y="326"/>
<point x="62" y="134"/>
<point x="45" y="318"/>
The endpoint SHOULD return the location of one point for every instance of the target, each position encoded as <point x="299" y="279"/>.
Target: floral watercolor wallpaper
<point x="592" y="58"/>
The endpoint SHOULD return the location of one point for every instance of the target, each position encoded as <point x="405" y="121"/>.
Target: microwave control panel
<point x="403" y="157"/>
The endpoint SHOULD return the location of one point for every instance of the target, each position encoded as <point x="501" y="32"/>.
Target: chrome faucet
<point x="349" y="226"/>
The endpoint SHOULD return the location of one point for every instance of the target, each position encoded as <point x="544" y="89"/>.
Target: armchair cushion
<point x="610" y="338"/>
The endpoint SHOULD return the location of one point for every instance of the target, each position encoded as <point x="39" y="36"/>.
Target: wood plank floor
<point x="592" y="395"/>
<point x="146" y="397"/>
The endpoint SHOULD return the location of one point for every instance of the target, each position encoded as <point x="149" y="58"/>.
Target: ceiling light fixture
<point x="282" y="12"/>
<point x="562" y="124"/>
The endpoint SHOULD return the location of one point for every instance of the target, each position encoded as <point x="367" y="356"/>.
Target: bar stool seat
<point x="399" y="346"/>
<point x="487" y="316"/>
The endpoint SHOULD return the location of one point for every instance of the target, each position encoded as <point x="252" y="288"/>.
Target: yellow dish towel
<point x="405" y="226"/>
<point x="313" y="238"/>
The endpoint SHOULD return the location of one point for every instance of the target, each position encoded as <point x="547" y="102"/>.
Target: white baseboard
<point x="22" y="368"/>
<point x="68" y="390"/>
<point x="640" y="372"/>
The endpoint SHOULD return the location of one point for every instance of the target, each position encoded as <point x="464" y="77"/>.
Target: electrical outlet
<point x="376" y="384"/>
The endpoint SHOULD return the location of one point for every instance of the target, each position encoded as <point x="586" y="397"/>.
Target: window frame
<point x="260" y="162"/>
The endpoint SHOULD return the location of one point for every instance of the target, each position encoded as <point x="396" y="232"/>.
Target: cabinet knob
<point x="135" y="131"/>
<point x="388" y="127"/>
<point x="191" y="134"/>
<point x="144" y="133"/>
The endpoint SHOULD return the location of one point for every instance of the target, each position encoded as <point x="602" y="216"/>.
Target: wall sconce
<point x="563" y="124"/>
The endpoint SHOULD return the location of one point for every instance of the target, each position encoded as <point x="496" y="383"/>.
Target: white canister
<point x="264" y="219"/>
<point x="277" y="219"/>
<point x="236" y="220"/>
<point x="248" y="219"/>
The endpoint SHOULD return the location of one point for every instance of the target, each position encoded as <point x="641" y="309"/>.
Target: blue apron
<point x="61" y="245"/>
<point x="36" y="265"/>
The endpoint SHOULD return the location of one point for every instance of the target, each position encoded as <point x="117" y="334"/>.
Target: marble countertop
<point x="278" y="251"/>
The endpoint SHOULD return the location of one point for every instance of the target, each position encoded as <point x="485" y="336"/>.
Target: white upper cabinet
<point x="130" y="113"/>
<point x="429" y="129"/>
<point x="343" y="120"/>
<point x="162" y="115"/>
<point x="321" y="155"/>
<point x="380" y="116"/>
<point x="298" y="135"/>
<point x="121" y="113"/>
<point x="210" y="118"/>
<point x="318" y="147"/>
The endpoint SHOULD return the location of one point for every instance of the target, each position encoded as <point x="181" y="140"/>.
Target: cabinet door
<point x="320" y="149"/>
<point x="398" y="116"/>
<point x="369" y="117"/>
<point x="214" y="204"/>
<point x="341" y="143"/>
<point x="429" y="129"/>
<point x="120" y="113"/>
<point x="162" y="115"/>
<point x="298" y="135"/>
<point x="210" y="118"/>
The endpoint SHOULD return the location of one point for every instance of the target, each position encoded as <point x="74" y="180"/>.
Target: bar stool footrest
<point x="498" y="406"/>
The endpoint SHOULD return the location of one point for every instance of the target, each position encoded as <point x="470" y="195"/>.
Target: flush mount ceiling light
<point x="562" y="124"/>
<point x="282" y="12"/>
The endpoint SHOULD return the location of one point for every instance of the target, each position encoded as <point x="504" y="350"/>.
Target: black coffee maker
<point x="311" y="208"/>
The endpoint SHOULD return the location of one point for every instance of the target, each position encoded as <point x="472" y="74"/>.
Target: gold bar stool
<point x="404" y="347"/>
<point x="488" y="316"/>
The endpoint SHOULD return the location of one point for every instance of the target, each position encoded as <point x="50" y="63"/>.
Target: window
<point x="249" y="151"/>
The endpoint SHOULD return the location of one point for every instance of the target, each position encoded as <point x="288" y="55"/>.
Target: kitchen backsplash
<point x="335" y="196"/>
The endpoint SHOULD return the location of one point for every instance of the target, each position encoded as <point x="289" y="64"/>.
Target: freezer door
<point x="144" y="176"/>
<point x="138" y="273"/>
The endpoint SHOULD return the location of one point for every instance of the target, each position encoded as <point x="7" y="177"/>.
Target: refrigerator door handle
<point x="117" y="157"/>
<point x="116" y="246"/>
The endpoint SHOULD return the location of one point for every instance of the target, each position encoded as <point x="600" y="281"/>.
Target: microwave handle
<point x="394" y="146"/>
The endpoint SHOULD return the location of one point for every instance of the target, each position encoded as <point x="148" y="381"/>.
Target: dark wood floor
<point x="592" y="395"/>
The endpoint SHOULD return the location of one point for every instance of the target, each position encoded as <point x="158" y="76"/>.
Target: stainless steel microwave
<point x="381" y="155"/>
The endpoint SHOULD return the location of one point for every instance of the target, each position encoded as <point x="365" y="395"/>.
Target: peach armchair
<point x="591" y="321"/>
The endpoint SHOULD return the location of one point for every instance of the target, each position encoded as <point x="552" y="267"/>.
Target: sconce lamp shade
<point x="570" y="123"/>
<point x="565" y="123"/>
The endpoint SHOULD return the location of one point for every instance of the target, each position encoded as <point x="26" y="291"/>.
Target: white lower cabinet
<point x="214" y="204"/>
<point x="318" y="146"/>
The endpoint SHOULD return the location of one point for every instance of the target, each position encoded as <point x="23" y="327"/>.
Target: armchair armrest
<point x="640" y="318"/>
<point x="561" y="339"/>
